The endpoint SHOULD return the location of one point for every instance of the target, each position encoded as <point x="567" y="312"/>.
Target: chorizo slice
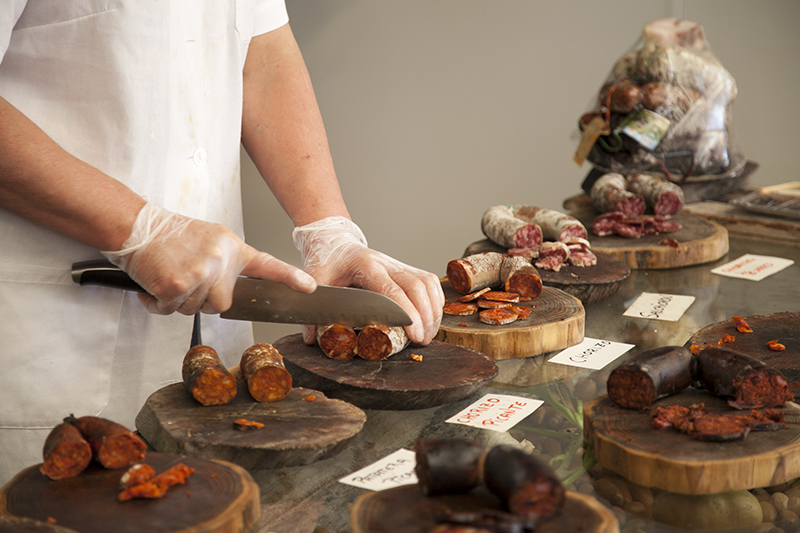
<point x="158" y="486"/>
<point x="492" y="304"/>
<point x="265" y="374"/>
<point x="475" y="272"/>
<point x="337" y="341"/>
<point x="113" y="445"/>
<point x="243" y="424"/>
<point x="473" y="295"/>
<point x="206" y="378"/>
<point x="502" y="226"/>
<point x="610" y="194"/>
<point x="377" y="342"/>
<point x="136" y="475"/>
<point x="650" y="375"/>
<point x="522" y="311"/>
<point x="66" y="453"/>
<point x="520" y="276"/>
<point x="662" y="196"/>
<point x="498" y="317"/>
<point x="448" y="466"/>
<point x="502" y="296"/>
<point x="460" y="308"/>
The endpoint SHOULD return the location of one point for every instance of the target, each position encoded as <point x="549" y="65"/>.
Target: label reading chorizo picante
<point x="753" y="267"/>
<point x="498" y="412"/>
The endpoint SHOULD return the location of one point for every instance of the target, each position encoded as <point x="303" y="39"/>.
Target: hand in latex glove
<point x="189" y="265"/>
<point x="335" y="252"/>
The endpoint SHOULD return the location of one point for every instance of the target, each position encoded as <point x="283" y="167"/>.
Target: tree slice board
<point x="297" y="431"/>
<point x="446" y="374"/>
<point x="623" y="440"/>
<point x="588" y="284"/>
<point x="219" y="497"/>
<point x="783" y="327"/>
<point x="556" y="322"/>
<point x="699" y="240"/>
<point x="12" y="524"/>
<point x="407" y="510"/>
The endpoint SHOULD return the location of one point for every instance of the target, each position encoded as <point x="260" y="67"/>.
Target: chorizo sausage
<point x="520" y="276"/>
<point x="378" y="342"/>
<point x="448" y="466"/>
<point x="475" y="272"/>
<point x="206" y="378"/>
<point x="610" y="194"/>
<point x="113" y="445"/>
<point x="66" y="453"/>
<point x="263" y="370"/>
<point x="157" y="486"/>
<point x="661" y="195"/>
<point x="502" y="226"/>
<point x="650" y="375"/>
<point x="337" y="341"/>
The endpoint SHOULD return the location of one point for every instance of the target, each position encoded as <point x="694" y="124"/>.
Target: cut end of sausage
<point x="67" y="459"/>
<point x="269" y="384"/>
<point x="631" y="389"/>
<point x="121" y="450"/>
<point x="213" y="387"/>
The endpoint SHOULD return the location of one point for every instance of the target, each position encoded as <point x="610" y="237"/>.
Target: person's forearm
<point x="44" y="184"/>
<point x="282" y="130"/>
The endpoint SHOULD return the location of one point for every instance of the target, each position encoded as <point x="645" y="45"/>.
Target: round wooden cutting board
<point x="556" y="322"/>
<point x="699" y="240"/>
<point x="407" y="510"/>
<point x="446" y="374"/>
<point x="587" y="284"/>
<point x="13" y="524"/>
<point x="219" y="497"/>
<point x="297" y="431"/>
<point x="783" y="327"/>
<point x="624" y="441"/>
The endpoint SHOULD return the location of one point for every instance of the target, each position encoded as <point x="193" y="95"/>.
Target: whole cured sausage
<point x="266" y="376"/>
<point x="337" y="341"/>
<point x="610" y="193"/>
<point x="475" y="272"/>
<point x="66" y="453"/>
<point x="664" y="197"/>
<point x="520" y="276"/>
<point x="206" y="378"/>
<point x="555" y="225"/>
<point x="378" y="342"/>
<point x="113" y="445"/>
<point x="502" y="226"/>
<point x="650" y="375"/>
<point x="448" y="466"/>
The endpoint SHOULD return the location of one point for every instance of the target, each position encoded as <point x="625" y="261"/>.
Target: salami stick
<point x="448" y="466"/>
<point x="475" y="272"/>
<point x="262" y="368"/>
<point x="378" y="342"/>
<point x="520" y="276"/>
<point x="502" y="226"/>
<point x="337" y="341"/>
<point x="653" y="374"/>
<point x="555" y="225"/>
<point x="526" y="484"/>
<point x="206" y="378"/>
<point x="661" y="195"/>
<point x="748" y="382"/>
<point x="610" y="193"/>
<point x="66" y="453"/>
<point x="113" y="445"/>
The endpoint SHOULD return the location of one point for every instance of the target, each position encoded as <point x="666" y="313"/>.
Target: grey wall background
<point x="438" y="109"/>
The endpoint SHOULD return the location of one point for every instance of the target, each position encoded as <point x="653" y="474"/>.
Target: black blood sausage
<point x="653" y="374"/>
<point x="448" y="466"/>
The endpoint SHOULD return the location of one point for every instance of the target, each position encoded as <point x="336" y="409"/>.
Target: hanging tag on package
<point x="753" y="267"/>
<point x="498" y="412"/>
<point x="645" y="127"/>
<point x="591" y="353"/>
<point x="593" y="130"/>
<point x="392" y="471"/>
<point x="656" y="306"/>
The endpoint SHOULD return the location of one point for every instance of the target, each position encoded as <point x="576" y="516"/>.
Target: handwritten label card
<point x="392" y="471"/>
<point x="753" y="267"/>
<point x="591" y="353"/>
<point x="655" y="306"/>
<point x="498" y="412"/>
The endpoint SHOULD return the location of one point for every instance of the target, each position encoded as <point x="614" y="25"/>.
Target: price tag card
<point x="392" y="471"/>
<point x="753" y="267"/>
<point x="655" y="306"/>
<point x="498" y="412"/>
<point x="591" y="353"/>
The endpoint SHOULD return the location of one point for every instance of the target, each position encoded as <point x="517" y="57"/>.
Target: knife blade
<point x="262" y="300"/>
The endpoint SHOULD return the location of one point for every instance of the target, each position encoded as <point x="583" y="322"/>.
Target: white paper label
<point x="498" y="412"/>
<point x="753" y="267"/>
<point x="392" y="471"/>
<point x="655" y="306"/>
<point x="591" y="353"/>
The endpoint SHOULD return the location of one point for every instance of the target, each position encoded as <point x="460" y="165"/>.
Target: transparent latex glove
<point x="189" y="265"/>
<point x="335" y="252"/>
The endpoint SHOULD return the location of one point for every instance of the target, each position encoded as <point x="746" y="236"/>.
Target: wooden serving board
<point x="407" y="510"/>
<point x="624" y="441"/>
<point x="297" y="431"/>
<point x="699" y="240"/>
<point x="556" y="322"/>
<point x="446" y="374"/>
<point x="217" y="497"/>
<point x="12" y="524"/>
<point x="587" y="284"/>
<point x="783" y="327"/>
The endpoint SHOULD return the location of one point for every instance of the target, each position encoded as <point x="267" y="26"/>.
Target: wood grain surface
<point x="624" y="441"/>
<point x="296" y="432"/>
<point x="556" y="322"/>
<point x="13" y="524"/>
<point x="699" y="240"/>
<point x="587" y="284"/>
<point x="219" y="497"/>
<point x="447" y="373"/>
<point x="407" y="510"/>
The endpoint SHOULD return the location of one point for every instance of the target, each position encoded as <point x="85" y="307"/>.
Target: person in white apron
<point x="120" y="127"/>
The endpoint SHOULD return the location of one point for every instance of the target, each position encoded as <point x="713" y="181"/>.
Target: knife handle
<point x="103" y="273"/>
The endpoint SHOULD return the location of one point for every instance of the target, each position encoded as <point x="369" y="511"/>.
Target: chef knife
<point x="269" y="301"/>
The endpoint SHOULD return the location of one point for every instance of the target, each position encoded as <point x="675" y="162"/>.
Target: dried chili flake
<point x="416" y="357"/>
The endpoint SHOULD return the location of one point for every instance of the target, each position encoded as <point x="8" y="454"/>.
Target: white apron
<point x="149" y="92"/>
